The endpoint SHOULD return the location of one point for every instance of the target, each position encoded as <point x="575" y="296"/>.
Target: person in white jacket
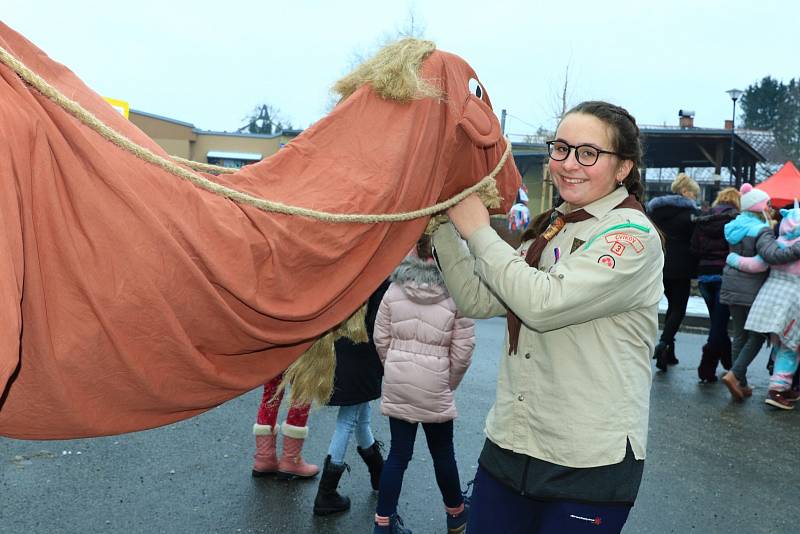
<point x="426" y="346"/>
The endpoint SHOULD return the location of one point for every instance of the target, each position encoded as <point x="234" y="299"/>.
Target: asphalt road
<point x="713" y="466"/>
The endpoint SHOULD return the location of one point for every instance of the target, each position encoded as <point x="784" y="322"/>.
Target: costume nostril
<point x="479" y="123"/>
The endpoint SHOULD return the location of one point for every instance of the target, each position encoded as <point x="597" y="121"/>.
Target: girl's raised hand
<point x="469" y="215"/>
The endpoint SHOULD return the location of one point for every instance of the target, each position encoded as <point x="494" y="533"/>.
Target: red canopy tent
<point x="783" y="186"/>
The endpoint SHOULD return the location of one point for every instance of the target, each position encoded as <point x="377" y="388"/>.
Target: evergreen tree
<point x="787" y="134"/>
<point x="760" y="103"/>
<point x="774" y="105"/>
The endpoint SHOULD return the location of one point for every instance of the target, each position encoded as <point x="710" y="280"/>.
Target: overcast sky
<point x="211" y="62"/>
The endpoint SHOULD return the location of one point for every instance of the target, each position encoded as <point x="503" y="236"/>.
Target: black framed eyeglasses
<point x="586" y="155"/>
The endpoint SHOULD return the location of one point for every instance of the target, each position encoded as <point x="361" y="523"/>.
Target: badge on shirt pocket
<point x="576" y="244"/>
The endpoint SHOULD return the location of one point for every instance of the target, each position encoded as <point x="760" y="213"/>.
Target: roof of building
<point x="764" y="141"/>
<point x="284" y="133"/>
<point x="161" y="118"/>
<point x="238" y="134"/>
<point x="674" y="146"/>
<point x="538" y="150"/>
<point x="248" y="156"/>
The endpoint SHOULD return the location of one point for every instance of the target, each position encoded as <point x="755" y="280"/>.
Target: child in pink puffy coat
<point x="426" y="346"/>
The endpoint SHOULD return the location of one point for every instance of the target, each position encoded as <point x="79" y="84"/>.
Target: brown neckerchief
<point x="535" y="253"/>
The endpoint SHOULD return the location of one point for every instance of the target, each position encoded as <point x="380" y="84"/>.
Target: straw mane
<point x="393" y="73"/>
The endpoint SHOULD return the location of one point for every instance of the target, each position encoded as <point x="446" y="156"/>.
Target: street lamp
<point x="734" y="94"/>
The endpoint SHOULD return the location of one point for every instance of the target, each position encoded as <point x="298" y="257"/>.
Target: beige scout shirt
<point x="579" y="385"/>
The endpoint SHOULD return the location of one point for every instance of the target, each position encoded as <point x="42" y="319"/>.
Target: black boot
<point x="372" y="457"/>
<point x="671" y="359"/>
<point x="660" y="355"/>
<point x="725" y="354"/>
<point x="707" y="370"/>
<point x="328" y="500"/>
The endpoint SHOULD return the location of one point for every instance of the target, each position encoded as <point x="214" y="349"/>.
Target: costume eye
<point x="475" y="88"/>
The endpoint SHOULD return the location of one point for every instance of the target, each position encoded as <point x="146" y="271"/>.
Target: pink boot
<point x="291" y="464"/>
<point x="266" y="459"/>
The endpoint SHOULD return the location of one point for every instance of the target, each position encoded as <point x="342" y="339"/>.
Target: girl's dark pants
<point x="440" y="445"/>
<point x="496" y="508"/>
<point x="677" y="291"/>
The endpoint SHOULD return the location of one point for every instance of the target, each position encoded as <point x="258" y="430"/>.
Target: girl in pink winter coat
<point x="426" y="346"/>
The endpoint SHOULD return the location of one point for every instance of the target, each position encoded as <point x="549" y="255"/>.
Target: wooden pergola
<point x="684" y="148"/>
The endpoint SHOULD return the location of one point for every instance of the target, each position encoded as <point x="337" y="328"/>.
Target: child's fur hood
<point x="420" y="280"/>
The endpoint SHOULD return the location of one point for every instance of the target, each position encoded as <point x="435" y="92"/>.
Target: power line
<point x="526" y="123"/>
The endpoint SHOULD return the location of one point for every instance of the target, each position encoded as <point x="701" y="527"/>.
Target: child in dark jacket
<point x="357" y="381"/>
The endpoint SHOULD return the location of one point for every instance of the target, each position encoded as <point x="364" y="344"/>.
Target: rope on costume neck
<point x="205" y="167"/>
<point x="486" y="188"/>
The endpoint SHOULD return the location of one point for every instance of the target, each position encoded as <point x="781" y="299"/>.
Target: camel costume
<point x="131" y="298"/>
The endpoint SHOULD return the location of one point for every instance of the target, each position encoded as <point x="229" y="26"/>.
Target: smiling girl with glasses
<point x="566" y="437"/>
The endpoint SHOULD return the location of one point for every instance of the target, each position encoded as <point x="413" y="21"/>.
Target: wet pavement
<point x="713" y="466"/>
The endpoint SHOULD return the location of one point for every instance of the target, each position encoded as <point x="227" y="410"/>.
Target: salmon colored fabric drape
<point x="130" y="298"/>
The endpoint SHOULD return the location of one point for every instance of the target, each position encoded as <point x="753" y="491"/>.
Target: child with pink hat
<point x="749" y="235"/>
<point x="776" y="309"/>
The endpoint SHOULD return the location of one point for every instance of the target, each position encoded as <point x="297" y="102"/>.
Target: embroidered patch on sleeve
<point x="620" y="241"/>
<point x="576" y="244"/>
<point x="619" y="229"/>
<point x="607" y="260"/>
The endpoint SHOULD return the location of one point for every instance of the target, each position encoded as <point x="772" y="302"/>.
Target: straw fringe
<point x="311" y="375"/>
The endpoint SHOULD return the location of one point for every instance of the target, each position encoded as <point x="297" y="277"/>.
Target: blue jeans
<point x="496" y="508"/>
<point x="718" y="314"/>
<point x="440" y="445"/>
<point x="355" y="418"/>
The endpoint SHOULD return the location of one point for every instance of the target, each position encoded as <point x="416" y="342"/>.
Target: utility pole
<point x="503" y="122"/>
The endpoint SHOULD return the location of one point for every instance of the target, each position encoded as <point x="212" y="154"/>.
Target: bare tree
<point x="413" y="26"/>
<point x="564" y="93"/>
<point x="560" y="101"/>
<point x="265" y="119"/>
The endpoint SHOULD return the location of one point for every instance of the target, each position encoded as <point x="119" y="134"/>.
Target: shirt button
<point x="521" y="398"/>
<point x="527" y="355"/>
<point x="561" y="276"/>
